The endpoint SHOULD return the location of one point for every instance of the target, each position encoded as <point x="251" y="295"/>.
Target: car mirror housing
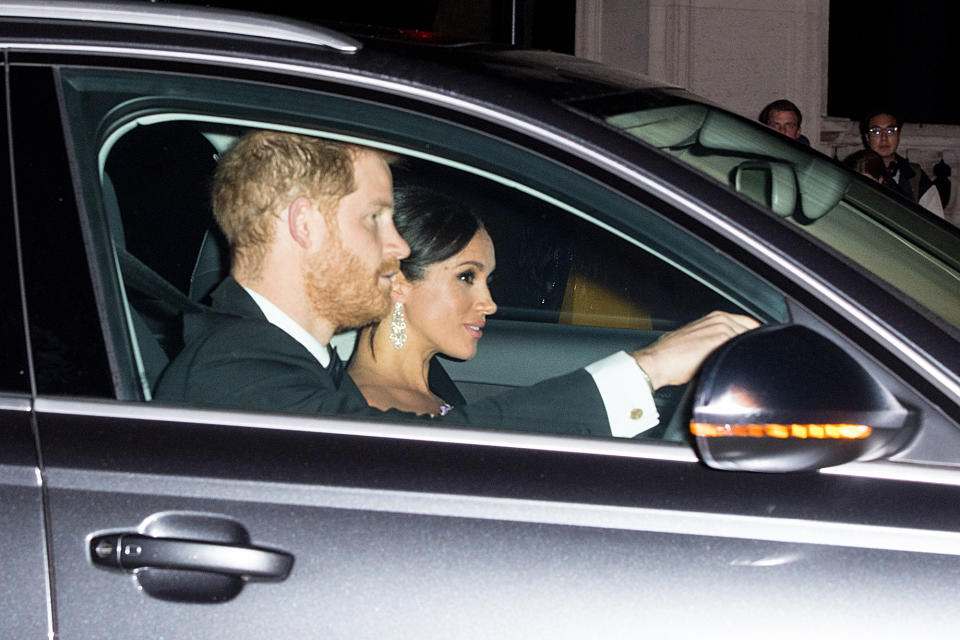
<point x="772" y="184"/>
<point x="784" y="398"/>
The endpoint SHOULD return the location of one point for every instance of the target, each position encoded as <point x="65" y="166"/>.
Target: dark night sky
<point x="904" y="55"/>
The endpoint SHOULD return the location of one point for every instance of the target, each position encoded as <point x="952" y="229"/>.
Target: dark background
<point x="905" y="55"/>
<point x="901" y="55"/>
<point x="541" y="24"/>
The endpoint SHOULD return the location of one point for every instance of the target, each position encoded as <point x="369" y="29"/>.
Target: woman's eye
<point x="467" y="276"/>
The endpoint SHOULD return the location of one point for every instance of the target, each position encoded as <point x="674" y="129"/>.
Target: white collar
<point x="278" y="318"/>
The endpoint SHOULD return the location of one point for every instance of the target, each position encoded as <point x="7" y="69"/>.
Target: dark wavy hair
<point x="434" y="225"/>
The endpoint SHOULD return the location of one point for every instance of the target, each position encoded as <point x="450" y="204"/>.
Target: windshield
<point x="915" y="253"/>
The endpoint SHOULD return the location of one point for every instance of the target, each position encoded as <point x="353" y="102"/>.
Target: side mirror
<point x="785" y="398"/>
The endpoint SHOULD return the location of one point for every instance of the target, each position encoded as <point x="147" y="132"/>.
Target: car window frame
<point x="376" y="141"/>
<point x="73" y="357"/>
<point x="16" y="377"/>
<point x="484" y="153"/>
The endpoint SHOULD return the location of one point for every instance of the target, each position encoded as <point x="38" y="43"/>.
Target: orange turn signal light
<point x="817" y="431"/>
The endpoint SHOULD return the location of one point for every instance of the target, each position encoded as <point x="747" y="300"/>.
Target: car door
<point x="180" y="522"/>
<point x="25" y="589"/>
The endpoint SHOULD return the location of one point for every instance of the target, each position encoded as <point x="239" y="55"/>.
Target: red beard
<point x="345" y="292"/>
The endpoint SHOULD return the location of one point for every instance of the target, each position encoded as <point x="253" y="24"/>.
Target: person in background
<point x="868" y="162"/>
<point x="785" y="117"/>
<point x="881" y="130"/>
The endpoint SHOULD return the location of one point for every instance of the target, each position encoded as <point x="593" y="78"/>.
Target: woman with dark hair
<point x="441" y="301"/>
<point x="869" y="163"/>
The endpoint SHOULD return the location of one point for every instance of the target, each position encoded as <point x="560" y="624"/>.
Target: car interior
<point x="582" y="270"/>
<point x="562" y="302"/>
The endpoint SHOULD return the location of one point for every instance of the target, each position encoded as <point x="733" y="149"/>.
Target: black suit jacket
<point x="235" y="359"/>
<point x="911" y="180"/>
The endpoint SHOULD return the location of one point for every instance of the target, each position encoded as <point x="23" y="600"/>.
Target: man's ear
<point x="299" y="221"/>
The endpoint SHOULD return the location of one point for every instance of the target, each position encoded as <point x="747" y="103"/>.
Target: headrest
<point x="161" y="175"/>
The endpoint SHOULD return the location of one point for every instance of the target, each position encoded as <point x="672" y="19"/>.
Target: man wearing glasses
<point x="881" y="132"/>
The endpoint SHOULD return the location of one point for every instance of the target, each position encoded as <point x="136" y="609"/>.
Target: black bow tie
<point x="335" y="368"/>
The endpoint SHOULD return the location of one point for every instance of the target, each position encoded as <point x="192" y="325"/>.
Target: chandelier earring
<point x="398" y="326"/>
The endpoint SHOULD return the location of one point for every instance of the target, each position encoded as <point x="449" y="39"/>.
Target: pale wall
<point x="744" y="54"/>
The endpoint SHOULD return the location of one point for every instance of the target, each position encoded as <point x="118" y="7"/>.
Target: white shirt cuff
<point x="626" y="395"/>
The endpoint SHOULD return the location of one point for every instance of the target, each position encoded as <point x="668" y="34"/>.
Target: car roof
<point x="388" y="54"/>
<point x="181" y="17"/>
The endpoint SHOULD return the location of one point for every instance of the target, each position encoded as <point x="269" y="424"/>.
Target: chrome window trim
<point x="14" y="403"/>
<point x="898" y="471"/>
<point x="20" y="476"/>
<point x="183" y="17"/>
<point x="549" y="512"/>
<point x="616" y="447"/>
<point x="332" y="425"/>
<point x="948" y="381"/>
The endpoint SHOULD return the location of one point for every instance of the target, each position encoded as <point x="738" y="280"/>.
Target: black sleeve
<point x="569" y="404"/>
<point x="251" y="365"/>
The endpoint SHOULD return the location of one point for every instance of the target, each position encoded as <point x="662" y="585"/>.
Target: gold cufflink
<point x="636" y="414"/>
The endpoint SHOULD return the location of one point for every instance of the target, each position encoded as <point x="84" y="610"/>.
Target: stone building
<point x="743" y="54"/>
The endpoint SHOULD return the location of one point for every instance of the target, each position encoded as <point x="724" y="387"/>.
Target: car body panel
<point x="22" y="526"/>
<point x="432" y="533"/>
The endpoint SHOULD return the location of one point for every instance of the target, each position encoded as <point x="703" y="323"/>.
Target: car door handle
<point x="129" y="551"/>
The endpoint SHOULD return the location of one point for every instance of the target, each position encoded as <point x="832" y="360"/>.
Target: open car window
<point x="582" y="270"/>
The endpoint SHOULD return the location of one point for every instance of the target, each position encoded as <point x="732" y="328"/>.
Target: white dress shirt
<point x="280" y="319"/>
<point x="626" y="394"/>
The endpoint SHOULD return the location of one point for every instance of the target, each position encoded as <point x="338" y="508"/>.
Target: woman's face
<point x="447" y="309"/>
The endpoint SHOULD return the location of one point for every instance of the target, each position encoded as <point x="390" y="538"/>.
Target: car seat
<point x="155" y="188"/>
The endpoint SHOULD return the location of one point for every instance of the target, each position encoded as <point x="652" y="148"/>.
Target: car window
<point x="915" y="253"/>
<point x="13" y="362"/>
<point x="571" y="252"/>
<point x="557" y="267"/>
<point x="65" y="329"/>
